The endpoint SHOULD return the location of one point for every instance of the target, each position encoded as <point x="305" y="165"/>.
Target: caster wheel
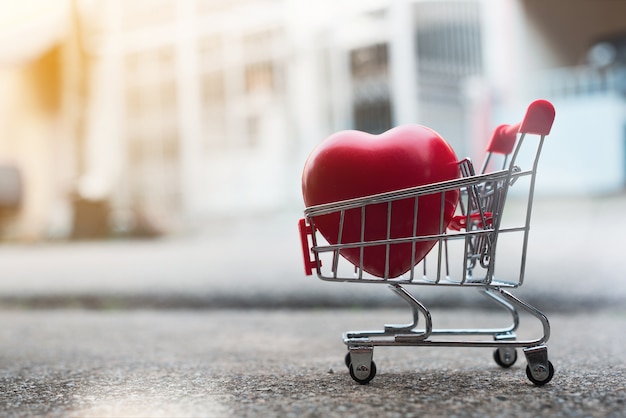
<point x="505" y="357"/>
<point x="543" y="381"/>
<point x="363" y="380"/>
<point x="348" y="360"/>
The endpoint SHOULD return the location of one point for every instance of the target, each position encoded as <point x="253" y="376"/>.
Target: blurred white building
<point x="205" y="108"/>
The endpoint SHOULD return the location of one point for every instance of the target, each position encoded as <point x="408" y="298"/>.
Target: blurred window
<point x="369" y="61"/>
<point x="210" y="52"/>
<point x="259" y="77"/>
<point x="168" y="95"/>
<point x="212" y="87"/>
<point x="214" y="129"/>
<point x="371" y="107"/>
<point x="153" y="169"/>
<point x="152" y="127"/>
<point x="213" y="110"/>
<point x="151" y="84"/>
<point x="449" y="47"/>
<point x="373" y="117"/>
<point x="453" y="49"/>
<point x="165" y="61"/>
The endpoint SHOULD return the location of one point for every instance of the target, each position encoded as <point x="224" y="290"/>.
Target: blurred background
<point x="159" y="117"/>
<point x="151" y="154"/>
<point x="151" y="117"/>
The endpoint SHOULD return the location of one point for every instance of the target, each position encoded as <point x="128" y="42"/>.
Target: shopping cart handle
<point x="503" y="139"/>
<point x="539" y="118"/>
<point x="305" y="231"/>
<point x="538" y="121"/>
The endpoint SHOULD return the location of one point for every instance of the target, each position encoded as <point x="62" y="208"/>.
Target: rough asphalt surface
<point x="291" y="364"/>
<point x="223" y="323"/>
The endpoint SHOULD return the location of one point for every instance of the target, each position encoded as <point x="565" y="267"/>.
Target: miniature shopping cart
<point x="463" y="255"/>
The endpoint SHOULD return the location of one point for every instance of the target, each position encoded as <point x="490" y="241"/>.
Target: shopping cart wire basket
<point x="463" y="254"/>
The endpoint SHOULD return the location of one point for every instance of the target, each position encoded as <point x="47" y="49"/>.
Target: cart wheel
<point x="364" y="381"/>
<point x="348" y="360"/>
<point x="505" y="357"/>
<point x="539" y="382"/>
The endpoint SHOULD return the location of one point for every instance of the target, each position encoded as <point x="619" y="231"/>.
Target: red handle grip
<point x="503" y="139"/>
<point x="305" y="231"/>
<point x="539" y="118"/>
<point x="538" y="121"/>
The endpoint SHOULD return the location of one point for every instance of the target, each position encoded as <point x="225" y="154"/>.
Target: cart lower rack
<point x="462" y="252"/>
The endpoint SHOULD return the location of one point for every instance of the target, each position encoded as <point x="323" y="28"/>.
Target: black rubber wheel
<point x="348" y="360"/>
<point x="504" y="364"/>
<point x="544" y="381"/>
<point x="368" y="378"/>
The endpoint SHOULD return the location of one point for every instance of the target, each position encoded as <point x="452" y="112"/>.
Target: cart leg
<point x="539" y="369"/>
<point x="531" y="310"/>
<point x="417" y="308"/>
<point x="498" y="299"/>
<point x="407" y="331"/>
<point x="362" y="367"/>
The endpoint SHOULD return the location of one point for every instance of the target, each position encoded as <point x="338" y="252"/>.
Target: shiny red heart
<point x="352" y="164"/>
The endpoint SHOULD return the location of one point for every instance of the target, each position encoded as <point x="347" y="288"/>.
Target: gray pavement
<point x="260" y="354"/>
<point x="576" y="260"/>
<point x="284" y="363"/>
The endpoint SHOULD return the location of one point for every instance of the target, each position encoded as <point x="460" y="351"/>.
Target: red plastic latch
<point x="305" y="231"/>
<point x="460" y="222"/>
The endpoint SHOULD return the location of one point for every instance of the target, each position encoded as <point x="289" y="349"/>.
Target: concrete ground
<point x="283" y="363"/>
<point x="224" y="323"/>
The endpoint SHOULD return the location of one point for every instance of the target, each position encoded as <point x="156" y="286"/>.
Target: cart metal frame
<point x="475" y="232"/>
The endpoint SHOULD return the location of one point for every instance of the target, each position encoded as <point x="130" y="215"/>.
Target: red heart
<point x="352" y="164"/>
